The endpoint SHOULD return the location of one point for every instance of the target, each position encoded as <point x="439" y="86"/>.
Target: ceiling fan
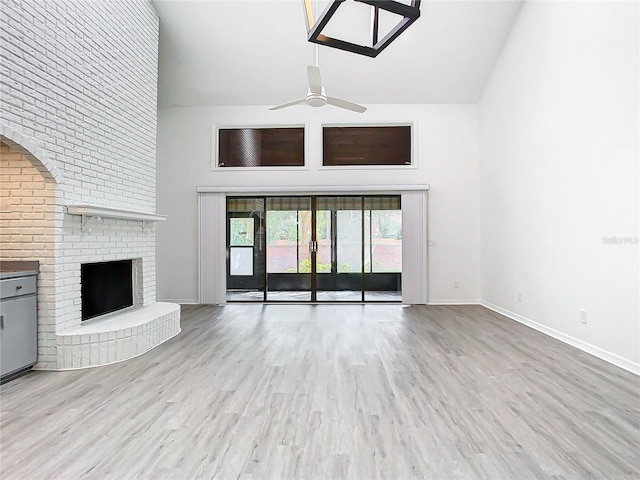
<point x="316" y="96"/>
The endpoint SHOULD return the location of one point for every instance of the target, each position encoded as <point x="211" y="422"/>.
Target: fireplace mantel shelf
<point x="92" y="212"/>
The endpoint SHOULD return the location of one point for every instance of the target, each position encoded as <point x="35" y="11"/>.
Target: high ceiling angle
<point x="254" y="52"/>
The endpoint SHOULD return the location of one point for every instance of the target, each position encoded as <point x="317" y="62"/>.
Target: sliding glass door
<point x="314" y="249"/>
<point x="289" y="242"/>
<point x="339" y="261"/>
<point x="382" y="248"/>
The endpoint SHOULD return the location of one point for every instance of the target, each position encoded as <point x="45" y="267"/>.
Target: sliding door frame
<point x="212" y="233"/>
<point x="313" y="254"/>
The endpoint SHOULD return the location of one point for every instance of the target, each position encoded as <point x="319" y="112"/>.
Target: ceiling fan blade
<point x="315" y="79"/>
<point x="336" y="102"/>
<point x="302" y="101"/>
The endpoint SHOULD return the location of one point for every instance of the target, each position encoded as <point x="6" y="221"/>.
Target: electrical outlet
<point x="583" y="317"/>
<point x="456" y="284"/>
<point x="519" y="296"/>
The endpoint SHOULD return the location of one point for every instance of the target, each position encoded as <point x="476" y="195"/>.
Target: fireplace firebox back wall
<point x="106" y="287"/>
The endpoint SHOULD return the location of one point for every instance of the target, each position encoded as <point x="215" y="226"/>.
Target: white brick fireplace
<point x="78" y="128"/>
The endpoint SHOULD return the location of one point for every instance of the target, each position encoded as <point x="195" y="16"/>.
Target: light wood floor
<point x="327" y="391"/>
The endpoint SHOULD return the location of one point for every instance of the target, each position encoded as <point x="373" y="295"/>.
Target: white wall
<point x="447" y="159"/>
<point x="559" y="174"/>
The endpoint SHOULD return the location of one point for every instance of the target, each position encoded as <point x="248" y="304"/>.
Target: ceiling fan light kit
<point x="316" y="100"/>
<point x="409" y="13"/>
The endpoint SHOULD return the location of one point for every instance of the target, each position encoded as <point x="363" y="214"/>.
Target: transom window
<point x="366" y="146"/>
<point x="261" y="147"/>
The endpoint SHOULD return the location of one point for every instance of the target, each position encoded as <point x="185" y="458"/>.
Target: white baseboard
<point x="181" y="301"/>
<point x="453" y="301"/>
<point x="602" y="354"/>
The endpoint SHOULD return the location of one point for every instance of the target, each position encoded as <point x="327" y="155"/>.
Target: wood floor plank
<point x="328" y="391"/>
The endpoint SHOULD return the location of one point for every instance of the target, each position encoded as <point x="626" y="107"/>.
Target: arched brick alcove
<point x="30" y="209"/>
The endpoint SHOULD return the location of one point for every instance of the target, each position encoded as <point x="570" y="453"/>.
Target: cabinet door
<point x="18" y="335"/>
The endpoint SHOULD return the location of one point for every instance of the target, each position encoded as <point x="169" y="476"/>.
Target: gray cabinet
<point x="18" y="326"/>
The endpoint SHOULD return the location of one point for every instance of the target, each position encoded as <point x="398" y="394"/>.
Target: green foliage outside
<point x="241" y="232"/>
<point x="282" y="225"/>
<point x="293" y="226"/>
<point x="305" y="267"/>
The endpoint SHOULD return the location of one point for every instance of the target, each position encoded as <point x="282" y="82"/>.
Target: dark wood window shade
<point x="261" y="147"/>
<point x="366" y="145"/>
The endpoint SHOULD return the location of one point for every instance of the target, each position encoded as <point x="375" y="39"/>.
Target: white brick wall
<point x="78" y="85"/>
<point x="81" y="77"/>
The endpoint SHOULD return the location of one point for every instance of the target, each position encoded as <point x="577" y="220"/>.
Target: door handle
<point x="2" y="322"/>
<point x="313" y="246"/>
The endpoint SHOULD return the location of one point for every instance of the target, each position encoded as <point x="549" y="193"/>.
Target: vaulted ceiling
<point x="255" y="52"/>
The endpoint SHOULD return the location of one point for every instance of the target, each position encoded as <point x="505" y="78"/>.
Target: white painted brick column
<point x="78" y="116"/>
